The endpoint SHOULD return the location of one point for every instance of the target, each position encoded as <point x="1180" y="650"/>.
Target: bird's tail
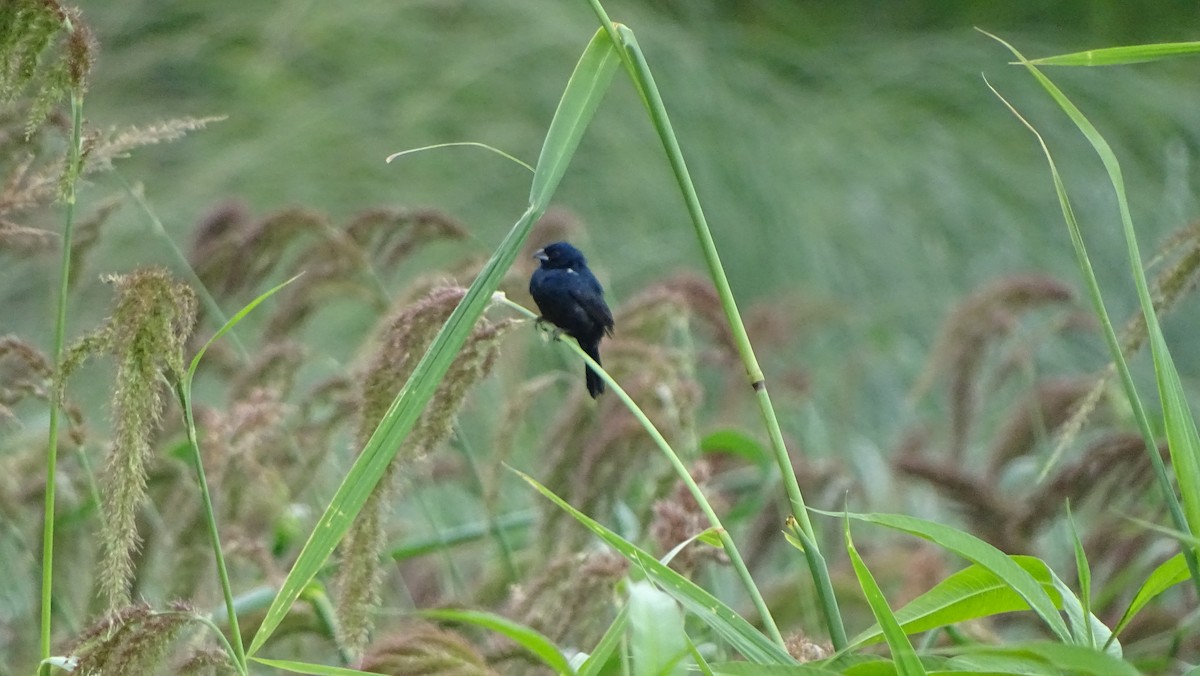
<point x="595" y="384"/>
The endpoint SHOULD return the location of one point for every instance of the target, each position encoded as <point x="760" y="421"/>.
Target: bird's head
<point x="560" y="255"/>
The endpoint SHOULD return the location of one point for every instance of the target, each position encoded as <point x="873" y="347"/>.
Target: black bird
<point x="571" y="298"/>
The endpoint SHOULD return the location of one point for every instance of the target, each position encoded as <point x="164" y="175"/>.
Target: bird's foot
<point x="545" y="325"/>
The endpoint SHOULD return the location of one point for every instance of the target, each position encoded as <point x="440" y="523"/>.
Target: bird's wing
<point x="595" y="307"/>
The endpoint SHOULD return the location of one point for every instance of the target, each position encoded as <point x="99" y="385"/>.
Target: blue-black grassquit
<point x="570" y="297"/>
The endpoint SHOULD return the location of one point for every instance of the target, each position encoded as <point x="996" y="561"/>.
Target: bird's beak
<point x="540" y="254"/>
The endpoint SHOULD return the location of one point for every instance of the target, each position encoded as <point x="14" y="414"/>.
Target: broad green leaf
<point x="596" y="661"/>
<point x="315" y="669"/>
<point x="533" y="641"/>
<point x="977" y="551"/>
<point x="1112" y="56"/>
<point x="1073" y="659"/>
<point x="1168" y="574"/>
<point x="905" y="657"/>
<point x="583" y="94"/>
<point x="707" y="608"/>
<point x="656" y="639"/>
<point x="971" y="593"/>
<point x="579" y="101"/>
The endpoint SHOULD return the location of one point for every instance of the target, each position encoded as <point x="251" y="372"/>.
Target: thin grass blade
<point x="1115" y="56"/>
<point x="595" y="662"/>
<point x="1183" y="439"/>
<point x="1168" y="574"/>
<point x="905" y="658"/>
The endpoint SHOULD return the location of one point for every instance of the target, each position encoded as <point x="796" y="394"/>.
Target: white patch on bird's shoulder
<point x="572" y="271"/>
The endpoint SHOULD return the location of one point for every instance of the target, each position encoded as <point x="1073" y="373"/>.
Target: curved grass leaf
<point x="533" y="641"/>
<point x="579" y="101"/>
<point x="722" y="619"/>
<point x="1168" y="574"/>
<point x="979" y="552"/>
<point x="1113" y="56"/>
<point x="233" y="321"/>
<point x="906" y="661"/>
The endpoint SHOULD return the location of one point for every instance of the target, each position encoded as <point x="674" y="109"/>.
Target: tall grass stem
<point x="639" y="71"/>
<point x="183" y="390"/>
<point x="60" y="334"/>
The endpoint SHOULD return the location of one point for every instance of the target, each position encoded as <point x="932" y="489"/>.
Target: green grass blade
<point x="1084" y="573"/>
<point x="1182" y="436"/>
<point x="535" y="642"/>
<point x="968" y="594"/>
<point x="979" y="552"/>
<point x="578" y="103"/>
<point x="905" y="658"/>
<point x="1114" y="56"/>
<point x="595" y="662"/>
<point x="314" y="669"/>
<point x="583" y="94"/>
<point x="722" y="619"/>
<point x="232" y="322"/>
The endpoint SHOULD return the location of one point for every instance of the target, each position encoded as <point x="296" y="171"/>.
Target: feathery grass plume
<point x="421" y="648"/>
<point x="401" y="346"/>
<point x="389" y="236"/>
<point x="677" y="517"/>
<point x="990" y="511"/>
<point x="152" y="320"/>
<point x="27" y="30"/>
<point x="804" y="649"/>
<point x="205" y="662"/>
<point x="1114" y="465"/>
<point x="232" y="254"/>
<point x="1035" y="418"/>
<point x="26" y="373"/>
<point x="570" y="601"/>
<point x="134" y="639"/>
<point x="985" y="317"/>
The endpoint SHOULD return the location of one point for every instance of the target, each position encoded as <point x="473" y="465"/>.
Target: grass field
<point x="887" y="226"/>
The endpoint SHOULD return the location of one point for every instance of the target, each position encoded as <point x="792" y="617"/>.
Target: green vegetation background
<point x="855" y="168"/>
<point x="858" y="175"/>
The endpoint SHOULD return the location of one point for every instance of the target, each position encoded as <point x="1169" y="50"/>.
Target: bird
<point x="570" y="297"/>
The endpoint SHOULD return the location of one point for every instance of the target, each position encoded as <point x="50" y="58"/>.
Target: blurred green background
<point x="855" y="169"/>
<point x="858" y="175"/>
